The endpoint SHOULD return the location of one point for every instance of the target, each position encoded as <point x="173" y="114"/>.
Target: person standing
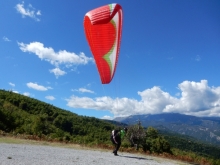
<point x="116" y="138"/>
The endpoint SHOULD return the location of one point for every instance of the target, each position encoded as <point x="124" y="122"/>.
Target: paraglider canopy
<point x="103" y="27"/>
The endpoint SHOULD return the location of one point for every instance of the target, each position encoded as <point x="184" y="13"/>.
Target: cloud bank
<point x="196" y="98"/>
<point x="61" y="57"/>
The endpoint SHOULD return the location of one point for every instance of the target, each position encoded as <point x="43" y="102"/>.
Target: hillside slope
<point x="205" y="129"/>
<point x="25" y="115"/>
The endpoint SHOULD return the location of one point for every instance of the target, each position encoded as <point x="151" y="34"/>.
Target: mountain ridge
<point x="206" y="129"/>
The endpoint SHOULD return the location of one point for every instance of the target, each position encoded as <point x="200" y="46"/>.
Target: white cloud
<point x="119" y="107"/>
<point x="55" y="58"/>
<point x="26" y="93"/>
<point x="50" y="97"/>
<point x="107" y="117"/>
<point x="196" y="98"/>
<point x="37" y="87"/>
<point x="28" y="11"/>
<point x="38" y="12"/>
<point x="61" y="57"/>
<point x="6" y="39"/>
<point x="57" y="72"/>
<point x="15" y="91"/>
<point x="12" y="84"/>
<point x="83" y="90"/>
<point x="155" y="100"/>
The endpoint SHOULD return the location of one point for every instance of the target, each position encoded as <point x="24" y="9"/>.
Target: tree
<point x="136" y="136"/>
<point x="155" y="142"/>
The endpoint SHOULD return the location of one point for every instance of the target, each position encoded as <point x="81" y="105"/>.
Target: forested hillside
<point x="25" y="115"/>
<point x="190" y="144"/>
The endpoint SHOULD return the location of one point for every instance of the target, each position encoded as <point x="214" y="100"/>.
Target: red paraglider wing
<point x="103" y="28"/>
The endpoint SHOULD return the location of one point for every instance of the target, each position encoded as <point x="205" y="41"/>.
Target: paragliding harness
<point x="115" y="136"/>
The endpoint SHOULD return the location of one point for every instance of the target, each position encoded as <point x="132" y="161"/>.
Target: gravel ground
<point x="26" y="154"/>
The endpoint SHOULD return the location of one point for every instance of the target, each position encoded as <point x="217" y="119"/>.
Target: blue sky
<point x="169" y="57"/>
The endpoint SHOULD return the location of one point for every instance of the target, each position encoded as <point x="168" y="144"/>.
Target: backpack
<point x="115" y="132"/>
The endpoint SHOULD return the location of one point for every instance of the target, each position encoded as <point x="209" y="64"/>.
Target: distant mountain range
<point x="206" y="129"/>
